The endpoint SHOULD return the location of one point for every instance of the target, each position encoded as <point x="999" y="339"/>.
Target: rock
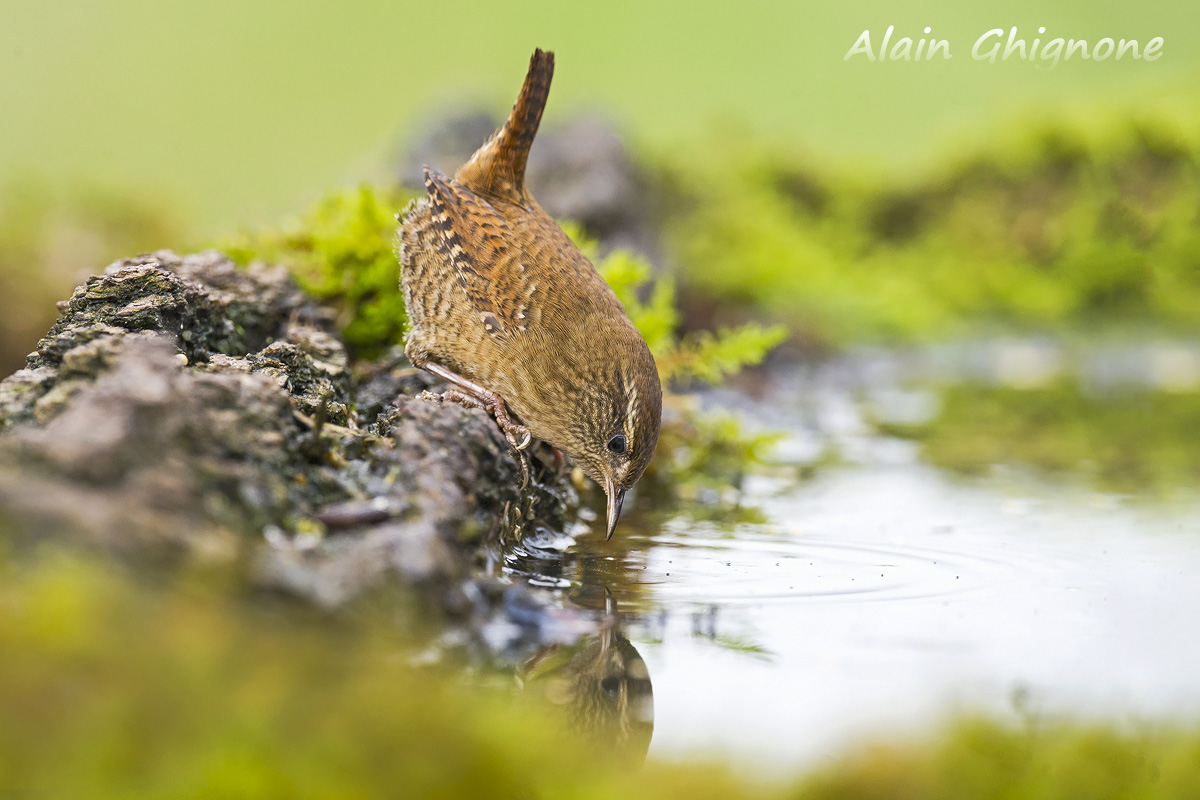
<point x="204" y="300"/>
<point x="140" y="459"/>
<point x="185" y="409"/>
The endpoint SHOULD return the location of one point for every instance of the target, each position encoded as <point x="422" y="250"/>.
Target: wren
<point x="505" y="308"/>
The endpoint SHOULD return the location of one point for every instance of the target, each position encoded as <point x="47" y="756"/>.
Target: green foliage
<point x="342" y="250"/>
<point x="1123" y="441"/>
<point x="112" y="689"/>
<point x="656" y="317"/>
<point x="1070" y="225"/>
<point x="702" y="355"/>
<point x="714" y="357"/>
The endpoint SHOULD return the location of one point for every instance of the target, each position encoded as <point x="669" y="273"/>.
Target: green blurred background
<point x="232" y="112"/>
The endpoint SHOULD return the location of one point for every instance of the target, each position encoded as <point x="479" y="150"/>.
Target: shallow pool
<point x="884" y="594"/>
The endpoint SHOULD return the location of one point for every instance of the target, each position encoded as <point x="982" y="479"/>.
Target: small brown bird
<point x="504" y="307"/>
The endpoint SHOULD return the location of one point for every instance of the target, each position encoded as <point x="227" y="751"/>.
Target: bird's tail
<point x="498" y="168"/>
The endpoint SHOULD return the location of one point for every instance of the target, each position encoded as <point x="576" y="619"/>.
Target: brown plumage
<point x="503" y="306"/>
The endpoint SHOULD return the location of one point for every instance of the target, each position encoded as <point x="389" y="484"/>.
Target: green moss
<point x="1066" y="225"/>
<point x="1123" y="441"/>
<point x="109" y="689"/>
<point x="342" y="250"/>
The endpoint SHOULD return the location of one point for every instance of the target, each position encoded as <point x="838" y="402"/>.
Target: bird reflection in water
<point x="602" y="684"/>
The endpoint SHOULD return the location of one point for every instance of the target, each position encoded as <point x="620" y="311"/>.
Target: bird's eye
<point x="617" y="444"/>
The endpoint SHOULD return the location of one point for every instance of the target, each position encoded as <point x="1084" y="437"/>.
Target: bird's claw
<point x="511" y="431"/>
<point x="523" y="463"/>
<point x="517" y="436"/>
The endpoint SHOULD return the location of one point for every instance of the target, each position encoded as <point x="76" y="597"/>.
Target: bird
<point x="504" y="307"/>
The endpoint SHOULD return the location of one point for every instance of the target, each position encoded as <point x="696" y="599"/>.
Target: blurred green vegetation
<point x="981" y="759"/>
<point x="51" y="241"/>
<point x="1083" y="223"/>
<point x="698" y="355"/>
<point x="1073" y="224"/>
<point x="115" y="688"/>
<point x="1119" y="440"/>
<point x="702" y="460"/>
<point x="111" y="689"/>
<point x="258" y="106"/>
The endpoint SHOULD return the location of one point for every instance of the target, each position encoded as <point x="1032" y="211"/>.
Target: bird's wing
<point x="487" y="260"/>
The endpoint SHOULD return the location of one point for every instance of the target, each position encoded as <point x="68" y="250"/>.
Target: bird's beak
<point x="615" y="498"/>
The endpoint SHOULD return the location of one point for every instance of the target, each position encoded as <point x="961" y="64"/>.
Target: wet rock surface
<point x="183" y="409"/>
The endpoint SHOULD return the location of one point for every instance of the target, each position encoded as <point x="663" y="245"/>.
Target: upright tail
<point x="498" y="168"/>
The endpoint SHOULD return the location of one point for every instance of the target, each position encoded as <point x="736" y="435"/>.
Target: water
<point x="884" y="595"/>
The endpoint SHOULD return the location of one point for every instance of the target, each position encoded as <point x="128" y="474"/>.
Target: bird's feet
<point x="518" y="436"/>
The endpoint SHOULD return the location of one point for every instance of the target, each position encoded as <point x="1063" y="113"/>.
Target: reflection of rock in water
<point x="578" y="171"/>
<point x="603" y="685"/>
